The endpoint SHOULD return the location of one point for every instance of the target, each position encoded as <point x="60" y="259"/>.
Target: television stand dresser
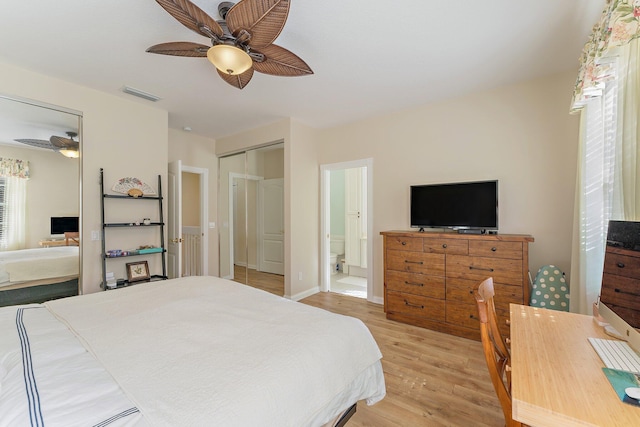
<point x="429" y="277"/>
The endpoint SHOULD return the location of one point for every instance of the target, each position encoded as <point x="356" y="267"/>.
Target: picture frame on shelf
<point x="137" y="271"/>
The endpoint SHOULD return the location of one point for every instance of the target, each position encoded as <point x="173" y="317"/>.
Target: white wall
<point x="126" y="137"/>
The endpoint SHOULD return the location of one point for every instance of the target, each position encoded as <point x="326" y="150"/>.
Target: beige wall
<point x="190" y="199"/>
<point x="199" y="152"/>
<point x="52" y="189"/>
<point x="126" y="137"/>
<point x="521" y="135"/>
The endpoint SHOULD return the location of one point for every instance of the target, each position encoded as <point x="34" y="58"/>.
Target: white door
<point x="174" y="225"/>
<point x="353" y="222"/>
<point x="271" y="226"/>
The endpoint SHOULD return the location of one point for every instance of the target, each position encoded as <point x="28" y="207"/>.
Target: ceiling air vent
<point x="140" y="94"/>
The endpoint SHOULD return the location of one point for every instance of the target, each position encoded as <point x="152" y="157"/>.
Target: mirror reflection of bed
<point x="38" y="186"/>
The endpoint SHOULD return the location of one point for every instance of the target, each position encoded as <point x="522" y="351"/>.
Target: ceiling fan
<point x="241" y="42"/>
<point x="68" y="147"/>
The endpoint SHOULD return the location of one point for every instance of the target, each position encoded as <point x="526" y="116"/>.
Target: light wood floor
<point x="432" y="379"/>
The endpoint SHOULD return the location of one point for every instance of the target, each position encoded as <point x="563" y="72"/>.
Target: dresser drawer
<point x="467" y="315"/>
<point x="505" y="271"/>
<point x="448" y="246"/>
<point x="414" y="283"/>
<point x="621" y="265"/>
<point x="415" y="305"/>
<point x="415" y="262"/>
<point x="462" y="314"/>
<point x="618" y="290"/>
<point x="402" y="243"/>
<point x="495" y="249"/>
<point x="461" y="290"/>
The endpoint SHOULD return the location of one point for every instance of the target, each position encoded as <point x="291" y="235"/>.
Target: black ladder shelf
<point x="160" y="250"/>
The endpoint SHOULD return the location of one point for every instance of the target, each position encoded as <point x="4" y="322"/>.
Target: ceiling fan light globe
<point x="73" y="154"/>
<point x="229" y="59"/>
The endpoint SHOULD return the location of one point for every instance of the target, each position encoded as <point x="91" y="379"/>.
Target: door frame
<point x="325" y="217"/>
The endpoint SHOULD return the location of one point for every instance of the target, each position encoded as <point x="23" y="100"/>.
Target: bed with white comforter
<point x="198" y="351"/>
<point x="38" y="265"/>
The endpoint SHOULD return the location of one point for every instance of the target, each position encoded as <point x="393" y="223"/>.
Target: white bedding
<point x="208" y="351"/>
<point x="36" y="264"/>
<point x="44" y="368"/>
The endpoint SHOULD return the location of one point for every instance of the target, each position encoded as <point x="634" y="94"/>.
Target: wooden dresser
<point x="429" y="278"/>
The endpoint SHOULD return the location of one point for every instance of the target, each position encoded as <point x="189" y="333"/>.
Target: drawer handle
<point x="471" y="267"/>
<point x="404" y="243"/>
<point x="413" y="284"/>
<point x="413" y="262"/>
<point x="407" y="303"/>
<point x="444" y="245"/>
<point x="621" y="264"/>
<point x="471" y="316"/>
<point x="493" y="249"/>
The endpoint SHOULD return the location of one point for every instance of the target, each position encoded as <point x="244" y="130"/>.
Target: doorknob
<point x="176" y="240"/>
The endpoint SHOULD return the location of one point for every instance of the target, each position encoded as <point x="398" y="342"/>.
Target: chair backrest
<point x="71" y="238"/>
<point x="496" y="353"/>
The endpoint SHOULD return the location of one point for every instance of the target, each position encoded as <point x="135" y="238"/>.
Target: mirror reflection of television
<point x="619" y="302"/>
<point x="462" y="206"/>
<point x="62" y="224"/>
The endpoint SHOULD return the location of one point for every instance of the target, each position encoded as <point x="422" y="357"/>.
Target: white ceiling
<point x="370" y="57"/>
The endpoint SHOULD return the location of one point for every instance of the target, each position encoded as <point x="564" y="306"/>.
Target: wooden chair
<point x="71" y="238"/>
<point x="496" y="353"/>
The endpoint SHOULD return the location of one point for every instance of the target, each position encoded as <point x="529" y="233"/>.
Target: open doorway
<point x="347" y="226"/>
<point x="188" y="200"/>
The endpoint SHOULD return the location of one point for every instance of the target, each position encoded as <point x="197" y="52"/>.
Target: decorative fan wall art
<point x="133" y="187"/>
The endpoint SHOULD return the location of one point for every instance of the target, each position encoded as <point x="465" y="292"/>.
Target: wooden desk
<point x="52" y="243"/>
<point x="557" y="376"/>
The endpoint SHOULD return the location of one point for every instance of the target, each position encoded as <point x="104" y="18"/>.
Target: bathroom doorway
<point x="347" y="224"/>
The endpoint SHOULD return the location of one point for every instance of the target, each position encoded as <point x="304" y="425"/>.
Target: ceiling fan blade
<point x="63" y="143"/>
<point x="263" y="19"/>
<point x="239" y="80"/>
<point x="191" y="16"/>
<point x="278" y="61"/>
<point x="40" y="143"/>
<point x="180" y="49"/>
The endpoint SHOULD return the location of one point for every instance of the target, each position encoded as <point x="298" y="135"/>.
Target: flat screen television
<point x="463" y="206"/>
<point x="61" y="224"/>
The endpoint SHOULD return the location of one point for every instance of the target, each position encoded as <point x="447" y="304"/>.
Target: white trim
<point x="303" y="295"/>
<point x="325" y="226"/>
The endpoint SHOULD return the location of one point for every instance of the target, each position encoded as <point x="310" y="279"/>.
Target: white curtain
<point x="607" y="182"/>
<point x="13" y="233"/>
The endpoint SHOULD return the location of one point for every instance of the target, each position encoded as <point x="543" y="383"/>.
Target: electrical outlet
<point x="300" y="275"/>
<point x="95" y="235"/>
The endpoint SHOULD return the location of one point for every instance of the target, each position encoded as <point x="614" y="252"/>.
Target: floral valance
<point x="14" y="168"/>
<point x="618" y="25"/>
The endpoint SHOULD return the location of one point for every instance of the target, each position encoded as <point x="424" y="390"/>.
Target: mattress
<point x="209" y="351"/>
<point x="37" y="264"/>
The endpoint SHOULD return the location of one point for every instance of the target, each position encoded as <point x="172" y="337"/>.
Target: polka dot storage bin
<point x="550" y="289"/>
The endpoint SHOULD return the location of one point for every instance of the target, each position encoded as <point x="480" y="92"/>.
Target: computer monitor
<point x="619" y="302"/>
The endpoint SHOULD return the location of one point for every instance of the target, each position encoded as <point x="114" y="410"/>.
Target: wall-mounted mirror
<point x="39" y="201"/>
<point x="251" y="214"/>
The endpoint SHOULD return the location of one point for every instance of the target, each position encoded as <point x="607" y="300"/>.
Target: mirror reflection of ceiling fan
<point x="68" y="147"/>
<point x="241" y="42"/>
